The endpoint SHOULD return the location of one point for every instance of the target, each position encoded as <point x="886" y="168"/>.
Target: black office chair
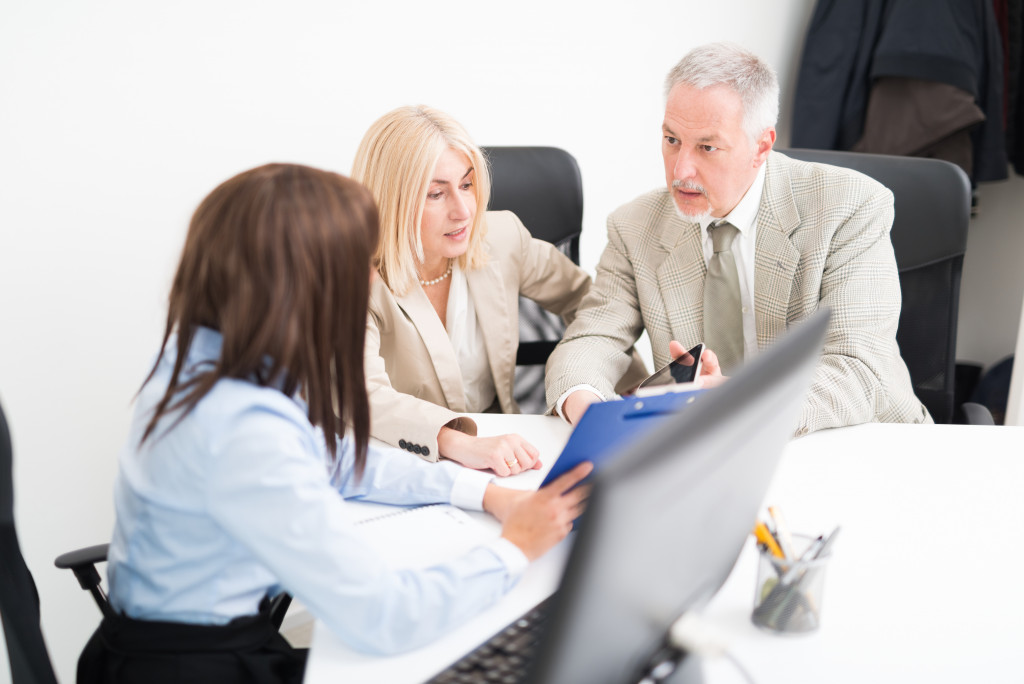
<point x="929" y="236"/>
<point x="543" y="187"/>
<point x="19" y="600"/>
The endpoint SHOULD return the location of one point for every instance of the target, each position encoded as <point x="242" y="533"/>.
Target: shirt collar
<point x="206" y="345"/>
<point x="205" y="350"/>
<point x="743" y="214"/>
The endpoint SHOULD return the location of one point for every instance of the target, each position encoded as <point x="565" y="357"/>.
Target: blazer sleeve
<point x="597" y="348"/>
<point x="861" y="376"/>
<point x="401" y="419"/>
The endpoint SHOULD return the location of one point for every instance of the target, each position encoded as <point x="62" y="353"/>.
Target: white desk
<point x="925" y="583"/>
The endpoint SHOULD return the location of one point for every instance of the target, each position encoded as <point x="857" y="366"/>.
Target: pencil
<point x="782" y="532"/>
<point x="766" y="538"/>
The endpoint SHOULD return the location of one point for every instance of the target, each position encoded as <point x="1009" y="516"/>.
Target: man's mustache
<point x="689" y="185"/>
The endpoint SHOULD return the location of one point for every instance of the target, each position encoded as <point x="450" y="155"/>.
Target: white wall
<point x="116" y="118"/>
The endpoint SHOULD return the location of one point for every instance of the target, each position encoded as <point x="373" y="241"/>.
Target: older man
<point x="742" y="243"/>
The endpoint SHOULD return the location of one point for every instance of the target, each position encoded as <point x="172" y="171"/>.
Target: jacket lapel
<point x="435" y="338"/>
<point x="681" y="282"/>
<point x="487" y="288"/>
<point x="776" y="258"/>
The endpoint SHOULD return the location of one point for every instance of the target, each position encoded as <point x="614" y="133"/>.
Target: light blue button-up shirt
<point x="239" y="500"/>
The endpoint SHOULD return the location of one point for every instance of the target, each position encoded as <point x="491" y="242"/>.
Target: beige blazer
<point x="822" y="239"/>
<point x="412" y="376"/>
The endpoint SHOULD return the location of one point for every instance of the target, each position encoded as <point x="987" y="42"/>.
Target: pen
<point x="810" y="554"/>
<point x="826" y="546"/>
<point x="765" y="537"/>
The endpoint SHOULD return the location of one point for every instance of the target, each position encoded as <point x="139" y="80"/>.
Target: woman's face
<point x="449" y="209"/>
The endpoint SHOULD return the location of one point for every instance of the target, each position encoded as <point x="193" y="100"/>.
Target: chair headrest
<point x="542" y="186"/>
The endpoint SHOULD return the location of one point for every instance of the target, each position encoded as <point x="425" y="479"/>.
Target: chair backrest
<point x="19" y="600"/>
<point x="929" y="237"/>
<point x="543" y="187"/>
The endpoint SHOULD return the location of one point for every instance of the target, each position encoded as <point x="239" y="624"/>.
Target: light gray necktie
<point x="723" y="319"/>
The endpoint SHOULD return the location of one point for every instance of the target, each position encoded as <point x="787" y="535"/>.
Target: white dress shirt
<point x="238" y="500"/>
<point x="468" y="344"/>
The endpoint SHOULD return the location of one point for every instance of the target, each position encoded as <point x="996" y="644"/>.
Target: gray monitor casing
<point x="668" y="517"/>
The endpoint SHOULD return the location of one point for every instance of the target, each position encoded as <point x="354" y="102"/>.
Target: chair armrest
<point x="279" y="608"/>
<point x="535" y="353"/>
<point x="90" y="555"/>
<point x="83" y="562"/>
<point x="977" y="414"/>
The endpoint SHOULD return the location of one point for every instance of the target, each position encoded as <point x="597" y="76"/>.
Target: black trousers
<point x="248" y="649"/>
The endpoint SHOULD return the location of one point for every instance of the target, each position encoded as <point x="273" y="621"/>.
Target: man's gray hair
<point x="745" y="73"/>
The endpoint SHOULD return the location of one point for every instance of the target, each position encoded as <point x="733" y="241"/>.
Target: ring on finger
<point x="512" y="462"/>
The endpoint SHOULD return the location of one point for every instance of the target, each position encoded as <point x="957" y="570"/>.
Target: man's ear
<point x="764" y="146"/>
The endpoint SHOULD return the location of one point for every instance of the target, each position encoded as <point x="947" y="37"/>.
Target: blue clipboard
<point x="609" y="424"/>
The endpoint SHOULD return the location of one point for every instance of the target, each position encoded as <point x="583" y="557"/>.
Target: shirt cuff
<point x="511" y="556"/>
<point x="565" y="395"/>
<point x="468" y="488"/>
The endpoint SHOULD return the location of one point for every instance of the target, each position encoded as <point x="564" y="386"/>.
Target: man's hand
<point x="576" y="404"/>
<point x="710" y="370"/>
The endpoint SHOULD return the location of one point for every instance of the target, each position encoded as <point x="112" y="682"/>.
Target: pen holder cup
<point x="788" y="595"/>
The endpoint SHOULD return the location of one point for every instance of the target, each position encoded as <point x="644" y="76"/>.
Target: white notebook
<point x="425" y="536"/>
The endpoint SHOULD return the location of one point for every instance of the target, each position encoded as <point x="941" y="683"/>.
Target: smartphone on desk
<point x="678" y="376"/>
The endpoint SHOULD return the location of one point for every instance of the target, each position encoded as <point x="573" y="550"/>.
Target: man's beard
<point x="692" y="218"/>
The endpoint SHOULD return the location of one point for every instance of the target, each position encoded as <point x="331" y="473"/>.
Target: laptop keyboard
<point x="503" y="658"/>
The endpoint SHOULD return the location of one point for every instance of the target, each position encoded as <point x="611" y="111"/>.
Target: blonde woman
<point x="443" y="324"/>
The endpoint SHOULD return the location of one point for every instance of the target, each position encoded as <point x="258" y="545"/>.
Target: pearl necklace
<point x="435" y="281"/>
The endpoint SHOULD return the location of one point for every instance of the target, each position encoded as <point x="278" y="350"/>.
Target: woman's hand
<point x="539" y="520"/>
<point x="505" y="454"/>
<point x="499" y="501"/>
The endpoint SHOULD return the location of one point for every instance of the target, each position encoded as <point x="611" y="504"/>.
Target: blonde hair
<point x="396" y="161"/>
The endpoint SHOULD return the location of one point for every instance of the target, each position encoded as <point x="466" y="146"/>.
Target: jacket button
<point x="417" y="449"/>
<point x="426" y="451"/>
<point x="402" y="443"/>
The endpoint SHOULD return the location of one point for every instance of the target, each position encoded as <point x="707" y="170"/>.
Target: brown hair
<point x="277" y="259"/>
